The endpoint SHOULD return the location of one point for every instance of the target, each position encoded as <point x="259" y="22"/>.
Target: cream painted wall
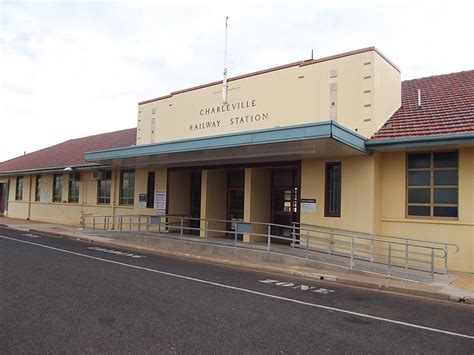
<point x="358" y="201"/>
<point x="70" y="213"/>
<point x="257" y="202"/>
<point x="161" y="178"/>
<point x="141" y="187"/>
<point x="179" y="192"/>
<point x="214" y="200"/>
<point x="367" y="93"/>
<point x="384" y="103"/>
<point x="460" y="232"/>
<point x="373" y="200"/>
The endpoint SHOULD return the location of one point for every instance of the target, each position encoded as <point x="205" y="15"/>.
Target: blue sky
<point x="71" y="69"/>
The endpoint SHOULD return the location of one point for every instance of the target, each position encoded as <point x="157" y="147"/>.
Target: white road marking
<point x="116" y="252"/>
<point x="339" y="310"/>
<point x="324" y="291"/>
<point x="31" y="235"/>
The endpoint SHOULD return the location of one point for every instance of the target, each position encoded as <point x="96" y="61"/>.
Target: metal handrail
<point x="374" y="239"/>
<point x="380" y="235"/>
<point x="357" y="246"/>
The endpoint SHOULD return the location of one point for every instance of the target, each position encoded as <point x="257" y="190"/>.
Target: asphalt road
<point x="64" y="296"/>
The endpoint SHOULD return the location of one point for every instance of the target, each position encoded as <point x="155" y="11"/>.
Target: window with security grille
<point x="127" y="187"/>
<point x="57" y="187"/>
<point x="73" y="189"/>
<point x="103" y="188"/>
<point x="332" y="202"/>
<point x="38" y="188"/>
<point x="19" y="188"/>
<point x="432" y="184"/>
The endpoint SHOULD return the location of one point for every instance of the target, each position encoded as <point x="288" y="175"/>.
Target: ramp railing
<point x="395" y="256"/>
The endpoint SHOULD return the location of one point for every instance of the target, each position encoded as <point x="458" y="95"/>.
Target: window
<point x="332" y="201"/>
<point x="103" y="187"/>
<point x="74" y="181"/>
<point x="127" y="187"/>
<point x="432" y="184"/>
<point x="19" y="188"/>
<point x="57" y="187"/>
<point x="150" y="190"/>
<point x="38" y="188"/>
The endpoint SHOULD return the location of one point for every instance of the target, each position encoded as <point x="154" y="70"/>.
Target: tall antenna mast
<point x="224" y="81"/>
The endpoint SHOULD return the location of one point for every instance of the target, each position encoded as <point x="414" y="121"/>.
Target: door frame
<point x="229" y="189"/>
<point x="296" y="183"/>
<point x="191" y="222"/>
<point x="4" y="197"/>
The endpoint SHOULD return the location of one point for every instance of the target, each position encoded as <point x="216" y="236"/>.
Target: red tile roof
<point x="447" y="107"/>
<point x="71" y="152"/>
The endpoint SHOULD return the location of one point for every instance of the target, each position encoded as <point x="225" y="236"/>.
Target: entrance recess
<point x="195" y="207"/>
<point x="235" y="197"/>
<point x="285" y="196"/>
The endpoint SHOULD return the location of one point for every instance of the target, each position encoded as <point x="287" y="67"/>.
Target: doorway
<point x="285" y="198"/>
<point x="235" y="197"/>
<point x="195" y="208"/>
<point x="3" y="198"/>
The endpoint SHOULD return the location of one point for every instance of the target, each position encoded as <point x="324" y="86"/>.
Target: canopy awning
<point x="322" y="139"/>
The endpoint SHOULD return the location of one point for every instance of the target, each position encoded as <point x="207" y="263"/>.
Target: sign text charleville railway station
<point x="209" y="122"/>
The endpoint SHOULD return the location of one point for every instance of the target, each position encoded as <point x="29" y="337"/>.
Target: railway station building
<point x="338" y="142"/>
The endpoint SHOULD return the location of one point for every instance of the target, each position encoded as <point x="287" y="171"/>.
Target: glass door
<point x="284" y="203"/>
<point x="195" y="202"/>
<point x="235" y="197"/>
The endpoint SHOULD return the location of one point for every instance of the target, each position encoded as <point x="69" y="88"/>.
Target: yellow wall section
<point x="179" y="192"/>
<point x="257" y="202"/>
<point x="383" y="102"/>
<point x="373" y="199"/>
<point x="70" y="213"/>
<point x="291" y="96"/>
<point x="214" y="200"/>
<point x="357" y="184"/>
<point x="460" y="231"/>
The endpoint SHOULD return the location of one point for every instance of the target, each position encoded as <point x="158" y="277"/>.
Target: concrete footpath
<point x="455" y="287"/>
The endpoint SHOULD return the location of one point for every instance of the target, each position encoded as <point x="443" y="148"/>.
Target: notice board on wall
<point x="160" y="202"/>
<point x="308" y="205"/>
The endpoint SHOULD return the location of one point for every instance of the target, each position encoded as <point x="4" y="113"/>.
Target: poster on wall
<point x="308" y="205"/>
<point x="160" y="202"/>
<point x="142" y="200"/>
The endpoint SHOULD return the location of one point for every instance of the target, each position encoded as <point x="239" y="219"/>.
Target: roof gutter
<point x="424" y="141"/>
<point x="51" y="169"/>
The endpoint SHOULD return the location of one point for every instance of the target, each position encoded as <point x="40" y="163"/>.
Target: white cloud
<point x="70" y="69"/>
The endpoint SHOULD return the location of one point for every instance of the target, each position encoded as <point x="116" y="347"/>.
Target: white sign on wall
<point x="160" y="202"/>
<point x="142" y="200"/>
<point x="308" y="205"/>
